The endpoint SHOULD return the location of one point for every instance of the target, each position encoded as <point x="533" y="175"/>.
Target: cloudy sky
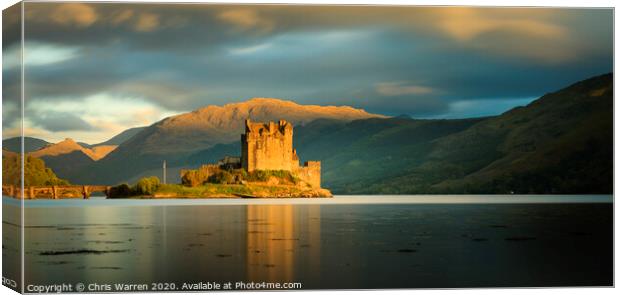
<point x="95" y="69"/>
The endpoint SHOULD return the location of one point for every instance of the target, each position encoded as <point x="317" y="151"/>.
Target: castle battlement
<point x="259" y="129"/>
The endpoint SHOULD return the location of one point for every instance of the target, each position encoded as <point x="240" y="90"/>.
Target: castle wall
<point x="310" y="173"/>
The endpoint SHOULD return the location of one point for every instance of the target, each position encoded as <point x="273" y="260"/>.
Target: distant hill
<point x="208" y="126"/>
<point x="560" y="143"/>
<point x="30" y="144"/>
<point x="69" y="165"/>
<point x="121" y="137"/>
<point x="85" y="145"/>
<point x="178" y="137"/>
<point x="360" y="154"/>
<point x="68" y="158"/>
<point x="68" y="146"/>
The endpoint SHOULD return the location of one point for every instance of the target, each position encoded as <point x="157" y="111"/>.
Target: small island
<point x="267" y="168"/>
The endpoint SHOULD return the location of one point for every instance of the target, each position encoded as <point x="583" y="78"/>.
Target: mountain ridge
<point x="121" y="137"/>
<point x="560" y="143"/>
<point x="31" y="144"/>
<point x="175" y="138"/>
<point x="68" y="146"/>
<point x="223" y="124"/>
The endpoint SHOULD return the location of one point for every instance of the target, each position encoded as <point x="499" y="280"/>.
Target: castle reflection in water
<point x="259" y="243"/>
<point x="273" y="241"/>
<point x="357" y="246"/>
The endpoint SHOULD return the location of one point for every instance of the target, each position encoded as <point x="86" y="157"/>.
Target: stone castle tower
<point x="269" y="146"/>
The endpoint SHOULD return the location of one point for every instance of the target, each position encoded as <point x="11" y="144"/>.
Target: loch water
<point x="348" y="242"/>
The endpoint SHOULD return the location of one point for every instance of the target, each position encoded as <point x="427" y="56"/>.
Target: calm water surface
<point x="345" y="242"/>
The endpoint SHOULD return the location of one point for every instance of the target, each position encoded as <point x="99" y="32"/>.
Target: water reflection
<point x="321" y="246"/>
<point x="280" y="240"/>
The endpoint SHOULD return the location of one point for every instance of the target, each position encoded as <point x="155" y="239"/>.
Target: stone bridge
<point x="55" y="191"/>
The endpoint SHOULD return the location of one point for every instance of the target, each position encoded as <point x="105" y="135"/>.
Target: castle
<point x="269" y="146"/>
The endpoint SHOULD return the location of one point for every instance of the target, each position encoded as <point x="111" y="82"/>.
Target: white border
<point x="509" y="3"/>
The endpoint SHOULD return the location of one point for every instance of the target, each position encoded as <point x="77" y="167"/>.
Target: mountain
<point x="85" y="145"/>
<point x="207" y="126"/>
<point x="115" y="140"/>
<point x="560" y="143"/>
<point x="68" y="159"/>
<point x="68" y="165"/>
<point x="68" y="146"/>
<point x="30" y="144"/>
<point x="101" y="151"/>
<point x="359" y="154"/>
<point x="121" y="137"/>
<point x="178" y="137"/>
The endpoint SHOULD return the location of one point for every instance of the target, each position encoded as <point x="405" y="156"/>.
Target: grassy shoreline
<point x="204" y="183"/>
<point x="252" y="190"/>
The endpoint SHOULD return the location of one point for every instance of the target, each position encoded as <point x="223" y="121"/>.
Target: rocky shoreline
<point x="315" y="193"/>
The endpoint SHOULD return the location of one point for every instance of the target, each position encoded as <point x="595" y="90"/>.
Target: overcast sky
<point x="93" y="70"/>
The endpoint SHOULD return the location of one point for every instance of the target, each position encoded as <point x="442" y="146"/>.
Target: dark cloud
<point x="11" y="25"/>
<point x="181" y="57"/>
<point x="59" y="121"/>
